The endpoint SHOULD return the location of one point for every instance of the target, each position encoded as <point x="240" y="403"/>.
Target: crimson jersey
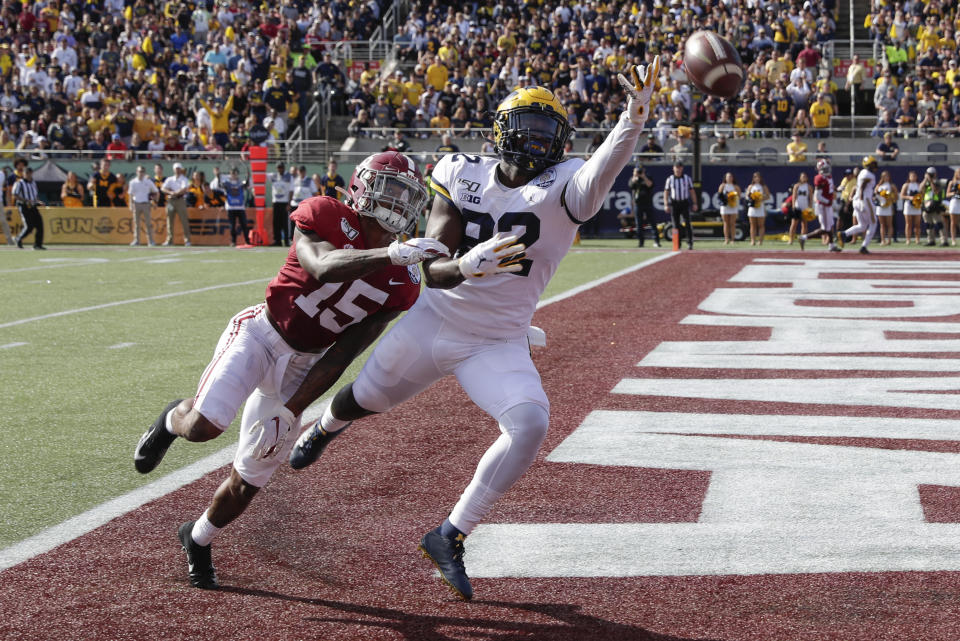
<point x="823" y="187"/>
<point x="311" y="314"/>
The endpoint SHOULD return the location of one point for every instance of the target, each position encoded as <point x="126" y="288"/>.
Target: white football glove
<point x="415" y="250"/>
<point x="640" y="90"/>
<point x="270" y="434"/>
<point x="500" y="254"/>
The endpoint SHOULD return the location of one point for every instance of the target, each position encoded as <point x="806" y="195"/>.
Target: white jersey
<point x="502" y="305"/>
<point x="866" y="184"/>
<point x="803" y="197"/>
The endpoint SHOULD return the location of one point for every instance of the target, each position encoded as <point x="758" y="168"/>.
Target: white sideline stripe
<point x="9" y="345"/>
<point x="69" y="262"/>
<point x="68" y="312"/>
<point x="600" y="281"/>
<point x="121" y="345"/>
<point x="93" y="518"/>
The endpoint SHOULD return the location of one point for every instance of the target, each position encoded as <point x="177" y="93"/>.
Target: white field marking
<point x="121" y="345"/>
<point x="160" y="261"/>
<point x="9" y="345"/>
<point x="90" y="520"/>
<point x="600" y="281"/>
<point x="144" y="299"/>
<point x="75" y="262"/>
<point x="771" y="507"/>
<point x="93" y="518"/>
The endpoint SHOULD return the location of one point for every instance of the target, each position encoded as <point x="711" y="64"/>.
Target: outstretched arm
<point x="328" y="264"/>
<point x="587" y="189"/>
<point x="337" y="358"/>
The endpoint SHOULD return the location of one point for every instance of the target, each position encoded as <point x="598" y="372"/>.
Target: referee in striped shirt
<point x="25" y="196"/>
<point x="680" y="198"/>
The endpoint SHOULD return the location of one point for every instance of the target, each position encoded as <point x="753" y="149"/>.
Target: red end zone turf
<point x="329" y="553"/>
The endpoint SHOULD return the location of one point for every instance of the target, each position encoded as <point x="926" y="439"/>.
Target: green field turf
<point x="84" y="386"/>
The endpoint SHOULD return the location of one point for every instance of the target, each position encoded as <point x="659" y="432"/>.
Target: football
<point x="713" y="64"/>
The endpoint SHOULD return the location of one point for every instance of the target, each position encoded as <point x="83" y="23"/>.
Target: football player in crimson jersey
<point x="511" y="219"/>
<point x="345" y="278"/>
<point x="823" y="194"/>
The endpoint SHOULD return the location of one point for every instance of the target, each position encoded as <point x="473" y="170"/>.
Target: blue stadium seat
<point x="767" y="154"/>
<point x="937" y="152"/>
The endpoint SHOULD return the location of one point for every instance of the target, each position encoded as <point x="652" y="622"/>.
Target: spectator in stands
<point x="855" y="75"/>
<point x="445" y="147"/>
<point x="360" y="124"/>
<point x="906" y="117"/>
<point x="650" y="150"/>
<point x="802" y="123"/>
<point x="397" y="143"/>
<point x="719" y="151"/>
<point x="796" y="149"/>
<point x="821" y="112"/>
<point x="888" y="149"/>
<point x="885" y="122"/>
<point x="926" y="123"/>
<point x="946" y="122"/>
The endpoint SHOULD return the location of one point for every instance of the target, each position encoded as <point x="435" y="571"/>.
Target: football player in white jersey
<point x="863" y="205"/>
<point x="511" y="220"/>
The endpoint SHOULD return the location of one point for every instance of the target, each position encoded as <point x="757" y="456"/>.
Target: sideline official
<point x="680" y="198"/>
<point x="26" y="196"/>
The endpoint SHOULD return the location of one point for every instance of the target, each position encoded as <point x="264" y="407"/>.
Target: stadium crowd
<point x="458" y="64"/>
<point x="918" y="90"/>
<point x="126" y="78"/>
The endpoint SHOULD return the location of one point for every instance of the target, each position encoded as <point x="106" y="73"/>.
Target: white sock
<point x="168" y="422"/>
<point x="204" y="531"/>
<point x="331" y="423"/>
<point x="868" y="235"/>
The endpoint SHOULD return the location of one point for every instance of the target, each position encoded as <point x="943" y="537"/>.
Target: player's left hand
<point x="640" y="90"/>
<point x="271" y="433"/>
<point x="415" y="250"/>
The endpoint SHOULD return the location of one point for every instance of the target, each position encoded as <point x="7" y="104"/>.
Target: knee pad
<point x="526" y="424"/>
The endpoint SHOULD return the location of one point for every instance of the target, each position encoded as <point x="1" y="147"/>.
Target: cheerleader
<point x="801" y="203"/>
<point x="953" y="207"/>
<point x="757" y="193"/>
<point x="912" y="200"/>
<point x="729" y="192"/>
<point x="886" y="199"/>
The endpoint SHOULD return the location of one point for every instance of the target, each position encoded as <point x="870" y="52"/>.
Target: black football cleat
<point x="864" y="250"/>
<point x="311" y="444"/>
<point x="199" y="563"/>
<point x="154" y="442"/>
<point x="447" y="555"/>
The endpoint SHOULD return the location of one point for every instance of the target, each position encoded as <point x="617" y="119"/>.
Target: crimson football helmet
<point x="389" y="187"/>
<point x="823" y="167"/>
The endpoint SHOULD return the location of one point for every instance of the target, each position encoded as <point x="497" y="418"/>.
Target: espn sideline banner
<point x="114" y="225"/>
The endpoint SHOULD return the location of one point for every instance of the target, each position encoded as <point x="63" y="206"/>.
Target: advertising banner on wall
<point x="114" y="225"/>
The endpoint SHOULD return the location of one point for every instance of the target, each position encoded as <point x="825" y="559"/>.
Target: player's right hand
<point x="415" y="250"/>
<point x="498" y="255"/>
<point x="640" y="90"/>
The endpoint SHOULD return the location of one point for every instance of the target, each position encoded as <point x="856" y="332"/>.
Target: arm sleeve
<point x="588" y="187"/>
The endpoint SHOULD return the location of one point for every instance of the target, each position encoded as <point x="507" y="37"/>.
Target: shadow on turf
<point x="572" y="624"/>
